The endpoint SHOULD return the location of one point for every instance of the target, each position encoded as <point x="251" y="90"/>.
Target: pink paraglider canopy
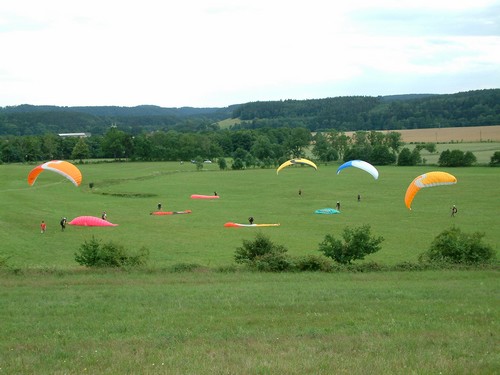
<point x="91" y="221"/>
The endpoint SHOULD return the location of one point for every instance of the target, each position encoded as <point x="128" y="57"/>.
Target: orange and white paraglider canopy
<point x="64" y="168"/>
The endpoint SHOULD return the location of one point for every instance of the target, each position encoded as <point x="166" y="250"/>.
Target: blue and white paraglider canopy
<point x="367" y="167"/>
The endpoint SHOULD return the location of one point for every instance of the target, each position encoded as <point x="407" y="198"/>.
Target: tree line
<point x="247" y="148"/>
<point x="472" y="108"/>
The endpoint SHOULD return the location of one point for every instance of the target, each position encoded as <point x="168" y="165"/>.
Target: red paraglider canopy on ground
<point x="91" y="221"/>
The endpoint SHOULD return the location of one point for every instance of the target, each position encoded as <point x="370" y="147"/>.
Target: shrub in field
<point x="263" y="255"/>
<point x="456" y="158"/>
<point x="3" y="262"/>
<point x="495" y="159"/>
<point x="454" y="246"/>
<point x="93" y="253"/>
<point x="358" y="242"/>
<point x="313" y="263"/>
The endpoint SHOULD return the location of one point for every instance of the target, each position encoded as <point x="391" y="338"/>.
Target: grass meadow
<point x="60" y="318"/>
<point x="128" y="192"/>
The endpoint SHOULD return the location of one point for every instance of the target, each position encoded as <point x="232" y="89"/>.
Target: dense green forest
<point x="472" y="108"/>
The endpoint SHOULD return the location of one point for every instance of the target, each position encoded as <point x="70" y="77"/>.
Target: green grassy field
<point x="483" y="151"/>
<point x="128" y="192"/>
<point x="59" y="318"/>
<point x="432" y="322"/>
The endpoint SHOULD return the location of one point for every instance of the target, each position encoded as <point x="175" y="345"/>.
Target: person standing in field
<point x="104" y="216"/>
<point x="43" y="227"/>
<point x="250" y="220"/>
<point x="359" y="198"/>
<point x="454" y="210"/>
<point x="337" y="206"/>
<point x="300" y="192"/>
<point x="159" y="206"/>
<point x="63" y="224"/>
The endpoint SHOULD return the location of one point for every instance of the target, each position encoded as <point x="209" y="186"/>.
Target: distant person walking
<point x="454" y="210"/>
<point x="63" y="224"/>
<point x="43" y="227"/>
<point x="104" y="216"/>
<point x="359" y="198"/>
<point x="250" y="219"/>
<point x="159" y="206"/>
<point x="337" y="206"/>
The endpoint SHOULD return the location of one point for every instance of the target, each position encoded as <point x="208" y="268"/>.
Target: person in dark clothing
<point x="159" y="206"/>
<point x="337" y="206"/>
<point x="454" y="210"/>
<point x="359" y="198"/>
<point x="63" y="224"/>
<point x="250" y="219"/>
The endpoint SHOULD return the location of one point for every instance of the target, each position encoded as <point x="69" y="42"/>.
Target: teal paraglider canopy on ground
<point x="327" y="211"/>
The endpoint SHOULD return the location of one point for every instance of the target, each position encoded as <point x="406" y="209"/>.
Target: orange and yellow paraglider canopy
<point x="64" y="168"/>
<point x="425" y="180"/>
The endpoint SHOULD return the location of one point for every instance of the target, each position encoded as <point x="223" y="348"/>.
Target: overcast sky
<point x="214" y="53"/>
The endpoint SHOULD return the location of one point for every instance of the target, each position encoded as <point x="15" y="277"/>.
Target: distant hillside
<point x="393" y="112"/>
<point x="30" y="119"/>
<point x="472" y="108"/>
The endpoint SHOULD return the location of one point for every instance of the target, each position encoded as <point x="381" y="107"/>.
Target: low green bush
<point x="93" y="253"/>
<point x="313" y="263"/>
<point x="263" y="255"/>
<point x="454" y="246"/>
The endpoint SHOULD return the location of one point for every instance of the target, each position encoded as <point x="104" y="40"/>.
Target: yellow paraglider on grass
<point x="425" y="180"/>
<point x="300" y="161"/>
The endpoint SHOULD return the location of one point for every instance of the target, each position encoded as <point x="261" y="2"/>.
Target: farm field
<point x="58" y="317"/>
<point x="128" y="192"/>
<point x="450" y="135"/>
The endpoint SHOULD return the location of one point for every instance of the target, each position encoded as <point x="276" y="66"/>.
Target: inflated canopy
<point x="91" y="221"/>
<point x="64" y="168"/>
<point x="367" y="167"/>
<point x="301" y="161"/>
<point x="426" y="180"/>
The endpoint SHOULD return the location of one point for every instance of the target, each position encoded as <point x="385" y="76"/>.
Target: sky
<point x="216" y="53"/>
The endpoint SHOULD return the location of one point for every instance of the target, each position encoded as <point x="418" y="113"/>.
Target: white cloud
<point x="217" y="53"/>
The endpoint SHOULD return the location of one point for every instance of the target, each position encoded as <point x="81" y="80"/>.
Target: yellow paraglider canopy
<point x="301" y="161"/>
<point x="425" y="180"/>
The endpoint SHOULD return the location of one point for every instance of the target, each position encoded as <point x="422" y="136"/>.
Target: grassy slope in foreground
<point x="248" y="323"/>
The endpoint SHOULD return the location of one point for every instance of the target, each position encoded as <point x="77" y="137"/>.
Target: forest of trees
<point x="472" y="108"/>
<point x="247" y="148"/>
<point x="268" y="132"/>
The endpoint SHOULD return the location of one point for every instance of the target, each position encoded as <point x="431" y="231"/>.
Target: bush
<point x="456" y="158"/>
<point x="313" y="263"/>
<point x="263" y="255"/>
<point x="495" y="159"/>
<point x="453" y="246"/>
<point x="358" y="242"/>
<point x="95" y="254"/>
<point x="3" y="262"/>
